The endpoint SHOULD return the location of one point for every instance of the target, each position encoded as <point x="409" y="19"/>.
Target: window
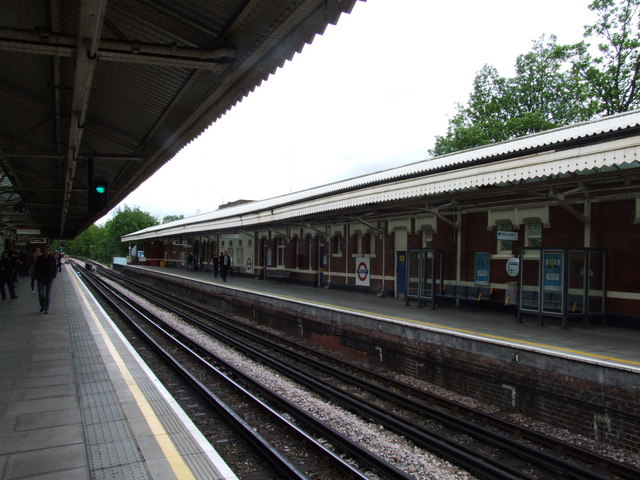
<point x="533" y="233"/>
<point x="239" y="258"/>
<point x="337" y="244"/>
<point x="504" y="246"/>
<point x="280" y="252"/>
<point x="427" y="237"/>
<point x="358" y="247"/>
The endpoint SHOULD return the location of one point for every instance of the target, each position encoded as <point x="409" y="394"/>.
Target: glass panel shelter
<point x="424" y="276"/>
<point x="562" y="282"/>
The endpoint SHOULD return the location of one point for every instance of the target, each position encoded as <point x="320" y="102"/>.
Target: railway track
<point x="483" y="444"/>
<point x="251" y="408"/>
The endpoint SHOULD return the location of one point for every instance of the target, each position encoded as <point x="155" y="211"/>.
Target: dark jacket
<point x="46" y="268"/>
<point x="7" y="265"/>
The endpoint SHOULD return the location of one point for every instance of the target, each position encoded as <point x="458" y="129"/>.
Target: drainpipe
<point x="384" y="258"/>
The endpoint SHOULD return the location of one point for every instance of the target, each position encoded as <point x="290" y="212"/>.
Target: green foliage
<point x="614" y="74"/>
<point x="82" y="245"/>
<point x="171" y="218"/>
<point x="123" y="222"/>
<point x="103" y="243"/>
<point x="554" y="85"/>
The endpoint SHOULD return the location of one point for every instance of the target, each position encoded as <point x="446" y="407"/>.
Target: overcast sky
<point x="371" y="93"/>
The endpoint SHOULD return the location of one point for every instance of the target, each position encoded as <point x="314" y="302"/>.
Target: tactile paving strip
<point x="108" y="436"/>
<point x="112" y="450"/>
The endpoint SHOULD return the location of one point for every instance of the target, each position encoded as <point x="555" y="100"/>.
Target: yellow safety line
<point x="471" y="332"/>
<point x="176" y="462"/>
<point x="435" y="325"/>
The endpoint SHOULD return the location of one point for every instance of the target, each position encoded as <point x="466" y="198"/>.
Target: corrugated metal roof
<point x="491" y="165"/>
<point x="115" y="89"/>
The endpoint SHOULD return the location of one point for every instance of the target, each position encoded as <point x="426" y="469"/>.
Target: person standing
<point x="17" y="266"/>
<point x="45" y="271"/>
<point x="6" y="275"/>
<point x="225" y="265"/>
<point x="59" y="261"/>
<point x="32" y="268"/>
<point x="215" y="261"/>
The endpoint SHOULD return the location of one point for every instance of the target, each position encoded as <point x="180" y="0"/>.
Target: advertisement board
<point x="482" y="268"/>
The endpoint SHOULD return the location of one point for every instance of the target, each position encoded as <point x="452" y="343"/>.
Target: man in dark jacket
<point x="45" y="272"/>
<point x="225" y="265"/>
<point x="7" y="267"/>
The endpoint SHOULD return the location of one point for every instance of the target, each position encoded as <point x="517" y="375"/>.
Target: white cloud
<point x="371" y="93"/>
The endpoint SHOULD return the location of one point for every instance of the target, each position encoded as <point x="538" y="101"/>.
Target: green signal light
<point x="101" y="188"/>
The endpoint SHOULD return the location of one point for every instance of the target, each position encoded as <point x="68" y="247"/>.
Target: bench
<point x="483" y="294"/>
<point x="447" y="291"/>
<point x="575" y="304"/>
<point x="529" y="300"/>
<point x="279" y="275"/>
<point x="551" y="302"/>
<point x="468" y="293"/>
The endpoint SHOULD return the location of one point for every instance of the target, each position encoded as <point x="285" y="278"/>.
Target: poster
<point x="482" y="268"/>
<point x="552" y="264"/>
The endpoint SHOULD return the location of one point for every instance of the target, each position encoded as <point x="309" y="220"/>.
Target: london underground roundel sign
<point x="362" y="271"/>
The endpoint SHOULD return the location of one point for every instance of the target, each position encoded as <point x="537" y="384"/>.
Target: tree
<point x="555" y="85"/>
<point x="614" y="74"/>
<point x="547" y="90"/>
<point x="543" y="94"/>
<point x="83" y="245"/>
<point x="171" y="218"/>
<point x="123" y="222"/>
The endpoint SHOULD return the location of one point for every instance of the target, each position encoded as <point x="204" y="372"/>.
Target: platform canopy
<point x="102" y="93"/>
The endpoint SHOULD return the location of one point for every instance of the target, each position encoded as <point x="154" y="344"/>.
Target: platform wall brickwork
<point x="596" y="401"/>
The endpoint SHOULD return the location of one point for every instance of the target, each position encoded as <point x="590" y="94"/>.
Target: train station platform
<point x="613" y="347"/>
<point x="76" y="401"/>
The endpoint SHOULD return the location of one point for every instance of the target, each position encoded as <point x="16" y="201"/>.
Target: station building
<point x="548" y="223"/>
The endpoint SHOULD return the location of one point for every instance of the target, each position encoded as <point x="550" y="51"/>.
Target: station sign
<point x="27" y="231"/>
<point x="507" y="235"/>
<point x="363" y="270"/>
<point x="176" y="243"/>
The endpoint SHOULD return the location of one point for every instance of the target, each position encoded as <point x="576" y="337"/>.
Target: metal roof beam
<point x="368" y="224"/>
<point x="57" y="45"/>
<point x="560" y="199"/>
<point x="89" y="30"/>
<point x="437" y="214"/>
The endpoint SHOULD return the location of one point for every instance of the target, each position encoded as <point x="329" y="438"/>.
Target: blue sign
<point x="552" y="270"/>
<point x="482" y="268"/>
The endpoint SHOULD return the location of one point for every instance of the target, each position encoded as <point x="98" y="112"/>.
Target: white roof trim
<point x="522" y="167"/>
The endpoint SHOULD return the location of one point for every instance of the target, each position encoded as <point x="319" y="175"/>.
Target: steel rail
<point x="371" y="459"/>
<point x="471" y="428"/>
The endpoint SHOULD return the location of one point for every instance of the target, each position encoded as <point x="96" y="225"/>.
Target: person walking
<point x="45" y="271"/>
<point x="6" y="275"/>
